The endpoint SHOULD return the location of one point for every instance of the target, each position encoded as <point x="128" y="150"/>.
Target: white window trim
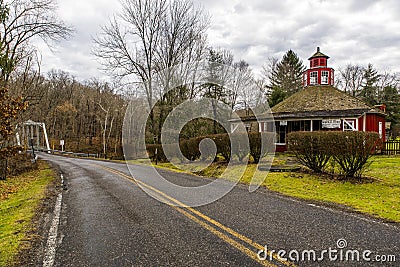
<point x="234" y="126"/>
<point x="350" y="124"/>
<point x="323" y="81"/>
<point x="314" y="80"/>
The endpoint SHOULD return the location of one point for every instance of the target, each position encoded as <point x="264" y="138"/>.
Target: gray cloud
<point x="348" y="31"/>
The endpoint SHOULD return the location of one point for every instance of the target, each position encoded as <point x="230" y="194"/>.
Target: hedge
<point x="349" y="150"/>
<point x="190" y="148"/>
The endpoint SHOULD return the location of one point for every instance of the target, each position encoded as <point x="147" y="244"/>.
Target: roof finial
<point x="317" y="49"/>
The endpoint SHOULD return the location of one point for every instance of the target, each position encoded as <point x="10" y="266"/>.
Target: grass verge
<point x="19" y="198"/>
<point x="379" y="196"/>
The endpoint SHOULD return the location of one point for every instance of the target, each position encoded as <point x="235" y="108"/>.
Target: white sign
<point x="283" y="123"/>
<point x="61" y="142"/>
<point x="380" y="129"/>
<point x="331" y="124"/>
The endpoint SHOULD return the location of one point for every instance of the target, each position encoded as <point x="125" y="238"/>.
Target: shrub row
<point x="349" y="150"/>
<point x="191" y="149"/>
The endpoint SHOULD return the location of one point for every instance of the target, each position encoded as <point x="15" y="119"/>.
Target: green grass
<point x="379" y="197"/>
<point x="19" y="198"/>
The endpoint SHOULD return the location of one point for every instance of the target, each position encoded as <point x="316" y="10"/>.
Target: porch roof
<point x="320" y="114"/>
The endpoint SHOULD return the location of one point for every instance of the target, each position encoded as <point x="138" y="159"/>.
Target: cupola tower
<point x="319" y="73"/>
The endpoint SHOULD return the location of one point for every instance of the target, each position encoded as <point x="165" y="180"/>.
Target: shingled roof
<point x="316" y="101"/>
<point x="318" y="54"/>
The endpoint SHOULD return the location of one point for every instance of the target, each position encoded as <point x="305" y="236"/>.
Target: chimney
<point x="381" y="107"/>
<point x="317" y="49"/>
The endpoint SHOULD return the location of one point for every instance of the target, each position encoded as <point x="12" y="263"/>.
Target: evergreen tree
<point x="391" y="97"/>
<point x="286" y="78"/>
<point x="369" y="89"/>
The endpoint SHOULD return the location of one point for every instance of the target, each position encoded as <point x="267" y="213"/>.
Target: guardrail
<point x="391" y="147"/>
<point x="69" y="153"/>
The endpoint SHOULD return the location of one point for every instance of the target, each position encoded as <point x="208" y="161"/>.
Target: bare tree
<point x="350" y="79"/>
<point x="241" y="85"/>
<point x="149" y="37"/>
<point x="267" y="71"/>
<point x="387" y="79"/>
<point x="22" y="20"/>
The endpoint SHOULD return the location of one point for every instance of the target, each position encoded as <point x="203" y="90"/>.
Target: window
<point x="315" y="62"/>
<point x="280" y="133"/>
<point x="313" y="77"/>
<point x="349" y="125"/>
<point x="322" y="62"/>
<point x="324" y="77"/>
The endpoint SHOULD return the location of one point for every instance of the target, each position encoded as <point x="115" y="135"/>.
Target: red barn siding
<point x="373" y="124"/>
<point x="361" y="123"/>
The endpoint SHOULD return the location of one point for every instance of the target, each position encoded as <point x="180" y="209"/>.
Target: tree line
<point x="146" y="39"/>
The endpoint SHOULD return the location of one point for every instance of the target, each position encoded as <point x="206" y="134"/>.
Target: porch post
<point x="311" y="126"/>
<point x="365" y="122"/>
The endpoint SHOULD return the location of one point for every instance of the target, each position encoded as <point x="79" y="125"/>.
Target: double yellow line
<point x="208" y="223"/>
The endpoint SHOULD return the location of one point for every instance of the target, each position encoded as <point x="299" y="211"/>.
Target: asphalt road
<point x="106" y="219"/>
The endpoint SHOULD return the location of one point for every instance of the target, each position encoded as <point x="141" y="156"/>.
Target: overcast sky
<point x="352" y="31"/>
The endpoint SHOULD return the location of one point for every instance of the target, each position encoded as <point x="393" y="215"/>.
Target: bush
<point x="156" y="152"/>
<point x="261" y="144"/>
<point x="190" y="148"/>
<point x="240" y="145"/>
<point x="18" y="164"/>
<point x="349" y="150"/>
<point x="223" y="144"/>
<point x="310" y="148"/>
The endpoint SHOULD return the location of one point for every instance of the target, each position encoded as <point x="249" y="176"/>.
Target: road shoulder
<point x="33" y="249"/>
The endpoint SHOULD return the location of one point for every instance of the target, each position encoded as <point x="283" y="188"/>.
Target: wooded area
<point x="147" y="38"/>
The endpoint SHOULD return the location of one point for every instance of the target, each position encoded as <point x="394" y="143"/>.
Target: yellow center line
<point x="227" y="239"/>
<point x="221" y="235"/>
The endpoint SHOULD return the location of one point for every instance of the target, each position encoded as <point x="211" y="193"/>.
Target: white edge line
<point x="50" y="252"/>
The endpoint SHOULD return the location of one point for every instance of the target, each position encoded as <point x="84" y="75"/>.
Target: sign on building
<point x="331" y="124"/>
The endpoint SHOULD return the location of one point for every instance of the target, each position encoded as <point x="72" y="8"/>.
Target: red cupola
<point x="318" y="73"/>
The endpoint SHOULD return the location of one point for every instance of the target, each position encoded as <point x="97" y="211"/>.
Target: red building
<point x="319" y="106"/>
<point x="318" y="73"/>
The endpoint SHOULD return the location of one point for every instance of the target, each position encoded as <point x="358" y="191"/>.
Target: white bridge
<point x="32" y="133"/>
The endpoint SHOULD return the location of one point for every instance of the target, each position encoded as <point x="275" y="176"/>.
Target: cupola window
<point x="324" y="77"/>
<point x="313" y="77"/>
